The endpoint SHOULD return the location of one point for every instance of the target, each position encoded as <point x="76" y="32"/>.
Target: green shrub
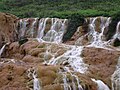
<point x="113" y="24"/>
<point x="75" y="20"/>
<point x="117" y="43"/>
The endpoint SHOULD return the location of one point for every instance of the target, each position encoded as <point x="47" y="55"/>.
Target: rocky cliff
<point x="39" y="60"/>
<point x="8" y="23"/>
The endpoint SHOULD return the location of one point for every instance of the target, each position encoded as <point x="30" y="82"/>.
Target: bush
<point x="113" y="24"/>
<point x="75" y="20"/>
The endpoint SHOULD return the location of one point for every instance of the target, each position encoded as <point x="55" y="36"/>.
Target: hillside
<point x="59" y="8"/>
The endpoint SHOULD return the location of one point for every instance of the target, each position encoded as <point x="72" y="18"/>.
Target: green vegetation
<point x="59" y="8"/>
<point x="117" y="43"/>
<point x="75" y="20"/>
<point x="113" y="24"/>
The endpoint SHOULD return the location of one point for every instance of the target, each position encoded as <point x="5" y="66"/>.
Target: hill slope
<point x="59" y="8"/>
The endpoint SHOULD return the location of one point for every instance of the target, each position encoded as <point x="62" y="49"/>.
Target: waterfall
<point x="116" y="77"/>
<point x="65" y="80"/>
<point x="55" y="34"/>
<point x="28" y="28"/>
<point x="33" y="28"/>
<point x="74" y="78"/>
<point x="117" y="34"/>
<point x="36" y="84"/>
<point x="42" y="25"/>
<point x="23" y="27"/>
<point x="51" y="31"/>
<point x="72" y="56"/>
<point x="97" y="37"/>
<point x="73" y="81"/>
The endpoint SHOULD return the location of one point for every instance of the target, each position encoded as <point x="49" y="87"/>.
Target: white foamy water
<point x="36" y="84"/>
<point x="73" y="57"/>
<point x="117" y="34"/>
<point x="41" y="28"/>
<point x="49" y="29"/>
<point x="66" y="84"/>
<point x="98" y="37"/>
<point x="56" y="32"/>
<point x="116" y="77"/>
<point x="101" y="85"/>
<point x="75" y="84"/>
<point x="74" y="78"/>
<point x="1" y="50"/>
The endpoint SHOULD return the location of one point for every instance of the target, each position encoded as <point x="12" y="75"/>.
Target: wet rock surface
<point x="32" y="54"/>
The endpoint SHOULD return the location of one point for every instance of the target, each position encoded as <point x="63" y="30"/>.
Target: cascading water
<point x="36" y="83"/>
<point x="97" y="28"/>
<point x="73" y="81"/>
<point x="116" y="77"/>
<point x="97" y="37"/>
<point x="41" y="28"/>
<point x="1" y="50"/>
<point x="116" y="80"/>
<point x="23" y="27"/>
<point x="54" y="34"/>
<point x="33" y="28"/>
<point x="75" y="85"/>
<point x="71" y="60"/>
<point x="65" y="81"/>
<point x="73" y="57"/>
<point x="117" y="34"/>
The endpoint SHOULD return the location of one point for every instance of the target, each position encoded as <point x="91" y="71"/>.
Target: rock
<point x="8" y="23"/>
<point x="102" y="63"/>
<point x="36" y="51"/>
<point x="53" y="87"/>
<point x="32" y="59"/>
<point x="13" y="77"/>
<point x="22" y="41"/>
<point x="25" y="48"/>
<point x="26" y="26"/>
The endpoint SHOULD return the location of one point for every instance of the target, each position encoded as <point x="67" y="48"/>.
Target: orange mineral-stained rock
<point x="28" y="46"/>
<point x="102" y="62"/>
<point x="53" y="87"/>
<point x="36" y="51"/>
<point x="8" y="24"/>
<point x="32" y="59"/>
<point x="13" y="77"/>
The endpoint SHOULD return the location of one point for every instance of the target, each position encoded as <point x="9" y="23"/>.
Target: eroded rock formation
<point x="8" y="31"/>
<point x="40" y="61"/>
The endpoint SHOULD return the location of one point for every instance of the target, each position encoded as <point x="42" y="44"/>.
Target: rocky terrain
<point x="45" y="63"/>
